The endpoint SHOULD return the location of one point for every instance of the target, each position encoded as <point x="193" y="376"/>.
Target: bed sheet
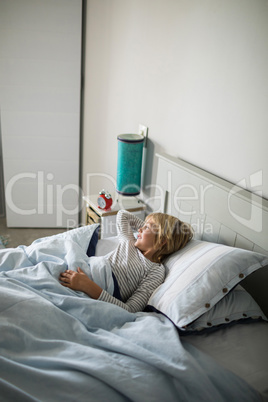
<point x="58" y="344"/>
<point x="241" y="348"/>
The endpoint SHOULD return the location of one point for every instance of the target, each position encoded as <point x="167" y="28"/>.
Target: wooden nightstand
<point x="107" y="219"/>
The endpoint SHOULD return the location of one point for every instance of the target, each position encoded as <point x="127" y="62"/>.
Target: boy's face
<point x="146" y="237"/>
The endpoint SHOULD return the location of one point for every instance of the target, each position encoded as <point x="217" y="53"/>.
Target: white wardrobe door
<point x="40" y="65"/>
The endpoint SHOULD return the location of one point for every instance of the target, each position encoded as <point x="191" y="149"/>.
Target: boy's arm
<point x="139" y="299"/>
<point x="127" y="223"/>
<point x="80" y="281"/>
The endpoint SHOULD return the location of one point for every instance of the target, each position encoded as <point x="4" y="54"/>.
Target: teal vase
<point x="129" y="164"/>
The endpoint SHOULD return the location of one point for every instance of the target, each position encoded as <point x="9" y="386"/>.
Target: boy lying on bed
<point x="136" y="264"/>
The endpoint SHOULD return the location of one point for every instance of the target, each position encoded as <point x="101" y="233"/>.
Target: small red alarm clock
<point x="104" y="200"/>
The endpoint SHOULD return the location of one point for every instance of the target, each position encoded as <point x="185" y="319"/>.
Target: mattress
<point x="242" y="348"/>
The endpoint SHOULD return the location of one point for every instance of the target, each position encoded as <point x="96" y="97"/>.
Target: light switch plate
<point x="143" y="130"/>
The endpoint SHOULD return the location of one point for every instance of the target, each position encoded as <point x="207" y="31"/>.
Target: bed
<point x="203" y="336"/>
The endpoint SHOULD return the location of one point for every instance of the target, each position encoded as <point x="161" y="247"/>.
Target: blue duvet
<point x="59" y="345"/>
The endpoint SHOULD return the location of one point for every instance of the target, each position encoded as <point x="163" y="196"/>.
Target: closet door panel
<point x="38" y="147"/>
<point x="40" y="65"/>
<point x="42" y="124"/>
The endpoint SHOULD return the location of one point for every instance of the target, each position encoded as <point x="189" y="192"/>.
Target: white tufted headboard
<point x="218" y="211"/>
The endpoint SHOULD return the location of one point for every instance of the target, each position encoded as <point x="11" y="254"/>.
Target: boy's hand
<point x="80" y="281"/>
<point x="72" y="279"/>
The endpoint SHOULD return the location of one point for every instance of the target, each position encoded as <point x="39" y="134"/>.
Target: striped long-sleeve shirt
<point x="137" y="276"/>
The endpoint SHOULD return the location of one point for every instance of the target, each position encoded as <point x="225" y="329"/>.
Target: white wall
<point x="194" y="72"/>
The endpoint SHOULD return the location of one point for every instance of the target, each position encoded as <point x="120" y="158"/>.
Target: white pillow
<point x="107" y="245"/>
<point x="200" y="275"/>
<point x="236" y="305"/>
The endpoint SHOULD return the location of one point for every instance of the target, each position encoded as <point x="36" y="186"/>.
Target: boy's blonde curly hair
<point x="171" y="234"/>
